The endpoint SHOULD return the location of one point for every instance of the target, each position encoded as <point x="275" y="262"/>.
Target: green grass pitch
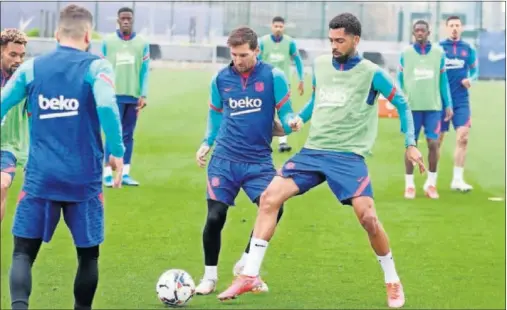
<point x="449" y="253"/>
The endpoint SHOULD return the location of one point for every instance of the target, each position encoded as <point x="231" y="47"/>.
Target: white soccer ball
<point x="175" y="287"/>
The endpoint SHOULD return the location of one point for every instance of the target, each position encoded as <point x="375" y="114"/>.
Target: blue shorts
<point x="460" y="118"/>
<point x="37" y="218"/>
<point x="225" y="178"/>
<point x="430" y="120"/>
<point x="345" y="173"/>
<point x="8" y="163"/>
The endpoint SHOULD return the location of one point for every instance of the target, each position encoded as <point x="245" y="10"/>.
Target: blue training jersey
<point x="460" y="63"/>
<point x="70" y="94"/>
<point x="242" y="112"/>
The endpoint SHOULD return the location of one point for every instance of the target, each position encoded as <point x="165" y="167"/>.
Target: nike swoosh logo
<point x="493" y="57"/>
<point x="260" y="245"/>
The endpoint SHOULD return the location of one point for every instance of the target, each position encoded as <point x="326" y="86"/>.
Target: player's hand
<point x="117" y="166"/>
<point x="141" y="103"/>
<point x="448" y="114"/>
<point x="415" y="156"/>
<point x="466" y="83"/>
<point x="296" y="123"/>
<point x="200" y="156"/>
<point x="301" y="88"/>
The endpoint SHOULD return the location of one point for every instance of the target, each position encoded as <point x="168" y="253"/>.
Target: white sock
<point x="432" y="178"/>
<point x="126" y="169"/>
<point x="210" y="273"/>
<point x="458" y="174"/>
<point x="108" y="171"/>
<point x="242" y="260"/>
<point x="254" y="259"/>
<point x="409" y="181"/>
<point x="282" y="139"/>
<point x="387" y="264"/>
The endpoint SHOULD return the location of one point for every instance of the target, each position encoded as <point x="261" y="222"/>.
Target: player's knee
<point x="88" y="254"/>
<point x="270" y="202"/>
<point x="5" y="183"/>
<point x="25" y="246"/>
<point x="463" y="140"/>
<point x="217" y="214"/>
<point x="433" y="145"/>
<point x="370" y="223"/>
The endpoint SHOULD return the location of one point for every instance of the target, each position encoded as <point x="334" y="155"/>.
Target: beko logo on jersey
<point x="332" y="97"/>
<point x="59" y="107"/>
<point x="249" y="104"/>
<point x="423" y="74"/>
<point x="454" y="63"/>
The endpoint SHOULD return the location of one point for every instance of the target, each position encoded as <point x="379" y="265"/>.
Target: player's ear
<point x="356" y="40"/>
<point x="57" y="36"/>
<point x="257" y="50"/>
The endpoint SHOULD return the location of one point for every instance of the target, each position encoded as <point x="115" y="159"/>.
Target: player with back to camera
<point x="343" y="130"/>
<point x="14" y="130"/>
<point x="462" y="69"/>
<point x="243" y="99"/>
<point x="72" y="89"/>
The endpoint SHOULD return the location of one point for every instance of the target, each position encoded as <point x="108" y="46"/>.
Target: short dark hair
<point x="452" y="17"/>
<point x="12" y="35"/>
<point x="243" y="35"/>
<point x="125" y="9"/>
<point x="278" y="19"/>
<point x="422" y="22"/>
<point x="74" y="21"/>
<point x="348" y="22"/>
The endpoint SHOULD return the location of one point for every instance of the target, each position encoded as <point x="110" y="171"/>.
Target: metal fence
<point x="173" y="21"/>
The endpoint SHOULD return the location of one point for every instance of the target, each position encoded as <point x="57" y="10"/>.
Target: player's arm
<point x="103" y="49"/>
<point x="306" y="112"/>
<point x="399" y="74"/>
<point x="101" y="77"/>
<point x="294" y="54"/>
<point x="214" y="114"/>
<point x="282" y="99"/>
<point x="445" y="89"/>
<point x="145" y="69"/>
<point x="473" y="65"/>
<point x="15" y="89"/>
<point x="384" y="84"/>
<point x="261" y="49"/>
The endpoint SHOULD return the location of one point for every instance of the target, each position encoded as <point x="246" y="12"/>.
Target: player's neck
<point x="455" y="39"/>
<point x="73" y="44"/>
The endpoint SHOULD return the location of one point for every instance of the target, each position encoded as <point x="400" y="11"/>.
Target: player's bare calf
<point x="5" y="183"/>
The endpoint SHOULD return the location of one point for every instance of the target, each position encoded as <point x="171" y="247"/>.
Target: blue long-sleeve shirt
<point x="460" y="63"/>
<point x="294" y="54"/>
<point x="382" y="84"/>
<point x="241" y="112"/>
<point x="70" y="95"/>
<point x="445" y="92"/>
<point x="144" y="73"/>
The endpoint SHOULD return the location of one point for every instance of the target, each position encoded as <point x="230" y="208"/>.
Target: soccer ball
<point x="175" y="287"/>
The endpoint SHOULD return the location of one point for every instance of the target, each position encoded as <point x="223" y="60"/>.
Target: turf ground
<point x="449" y="253"/>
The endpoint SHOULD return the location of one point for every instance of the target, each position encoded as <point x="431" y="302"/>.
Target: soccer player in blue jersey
<point x="423" y="78"/>
<point x="344" y="127"/>
<point x="129" y="54"/>
<point x="244" y="98"/>
<point x="279" y="50"/>
<point x="70" y="94"/>
<point x="462" y="69"/>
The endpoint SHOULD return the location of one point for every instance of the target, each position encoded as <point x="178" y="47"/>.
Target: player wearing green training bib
<point x="423" y="78"/>
<point x="14" y="130"/>
<point x="344" y="128"/>
<point x="129" y="54"/>
<point x="279" y="50"/>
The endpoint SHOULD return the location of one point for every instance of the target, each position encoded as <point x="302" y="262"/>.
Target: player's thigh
<point x="348" y="178"/>
<point x="35" y="218"/>
<point x="221" y="183"/>
<point x="432" y="124"/>
<point x="304" y="169"/>
<point x="418" y="117"/>
<point x="129" y="120"/>
<point x="85" y="221"/>
<point x="7" y="168"/>
<point x="256" y="179"/>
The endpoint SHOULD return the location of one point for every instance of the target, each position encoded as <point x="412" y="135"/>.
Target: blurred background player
<point x="72" y="89"/>
<point x="343" y="131"/>
<point x="462" y="68"/>
<point x="279" y="49"/>
<point x="244" y="97"/>
<point x="423" y="78"/>
<point x="14" y="130"/>
<point x="130" y="56"/>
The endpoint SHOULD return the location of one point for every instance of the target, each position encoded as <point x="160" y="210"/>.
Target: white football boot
<point x="460" y="185"/>
<point x="206" y="287"/>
